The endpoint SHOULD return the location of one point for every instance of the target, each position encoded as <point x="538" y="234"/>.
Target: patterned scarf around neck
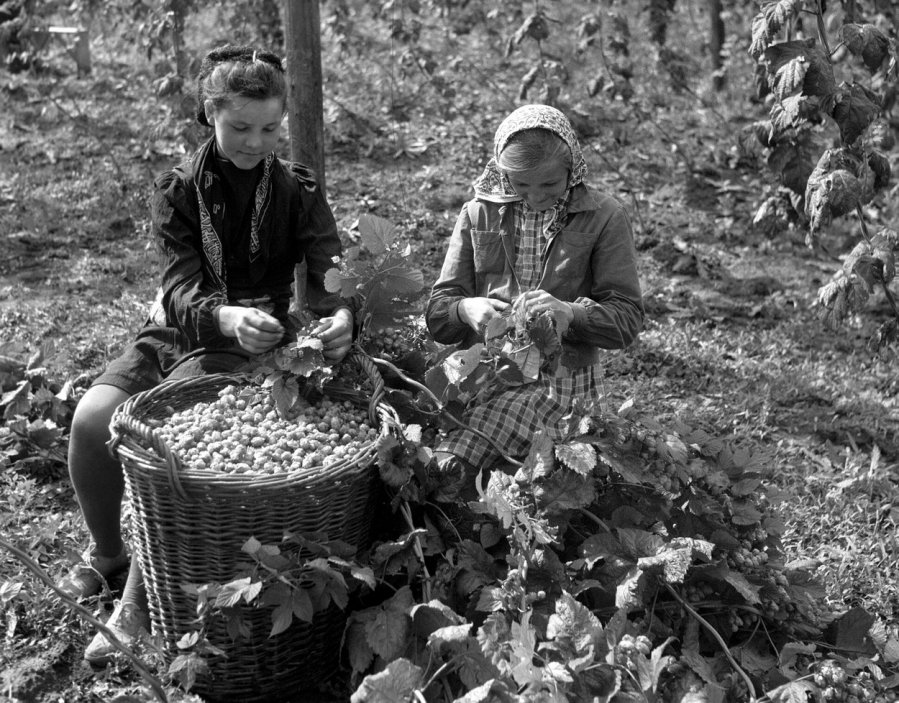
<point x="211" y="199"/>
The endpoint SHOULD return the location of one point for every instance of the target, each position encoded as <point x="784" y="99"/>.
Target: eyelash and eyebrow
<point x="541" y="185"/>
<point x="241" y="127"/>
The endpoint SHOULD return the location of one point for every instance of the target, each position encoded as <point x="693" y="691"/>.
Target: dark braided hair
<point x="238" y="70"/>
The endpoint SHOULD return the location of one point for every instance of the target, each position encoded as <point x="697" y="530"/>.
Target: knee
<point x="88" y="427"/>
<point x="90" y="423"/>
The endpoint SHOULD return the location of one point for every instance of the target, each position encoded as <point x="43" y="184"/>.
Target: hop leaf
<point x="749" y="591"/>
<point x="629" y="591"/>
<point x="565" y="490"/>
<point x="835" y="187"/>
<point x="786" y="61"/>
<point x="869" y="271"/>
<point x="449" y="639"/>
<point x="854" y="110"/>
<point x="341" y="282"/>
<point x="575" y="625"/>
<point x="769" y="21"/>
<point x="884" y="244"/>
<point x="577" y="456"/>
<point x="535" y="26"/>
<point x="867" y="42"/>
<point x="840" y="298"/>
<point x="459" y="365"/>
<point x="673" y="563"/>
<point x="377" y="233"/>
<point x="789" y="77"/>
<point x="387" y="629"/>
<point x="397" y="682"/>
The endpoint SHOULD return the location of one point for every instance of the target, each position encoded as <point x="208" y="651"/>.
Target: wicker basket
<point x="189" y="526"/>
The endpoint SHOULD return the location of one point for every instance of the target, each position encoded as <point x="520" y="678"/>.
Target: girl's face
<point x="246" y="130"/>
<point x="542" y="187"/>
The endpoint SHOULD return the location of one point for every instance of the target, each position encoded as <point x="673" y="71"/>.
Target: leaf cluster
<point x="870" y="264"/>
<point x="624" y="530"/>
<point x="292" y="581"/>
<point x="806" y="95"/>
<point x="516" y="350"/>
<point x="378" y="276"/>
<point x="36" y="414"/>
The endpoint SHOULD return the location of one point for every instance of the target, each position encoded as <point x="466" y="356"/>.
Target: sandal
<point x="127" y="623"/>
<point x="88" y="578"/>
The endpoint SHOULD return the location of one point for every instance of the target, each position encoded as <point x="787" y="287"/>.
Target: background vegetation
<point x="731" y="263"/>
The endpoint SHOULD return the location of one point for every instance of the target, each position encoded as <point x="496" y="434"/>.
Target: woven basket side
<point x="189" y="529"/>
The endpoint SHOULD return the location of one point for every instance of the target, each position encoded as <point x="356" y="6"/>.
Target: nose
<point x="254" y="139"/>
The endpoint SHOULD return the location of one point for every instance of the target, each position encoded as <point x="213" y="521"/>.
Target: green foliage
<point x="542" y="604"/>
<point x="379" y="275"/>
<point x="293" y="580"/>
<point x="802" y="80"/>
<point x="36" y="413"/>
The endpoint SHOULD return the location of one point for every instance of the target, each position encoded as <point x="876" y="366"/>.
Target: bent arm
<point x="189" y="297"/>
<point x="455" y="283"/>
<point x="611" y="315"/>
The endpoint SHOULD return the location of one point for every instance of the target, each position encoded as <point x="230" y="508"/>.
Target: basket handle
<point x="124" y="422"/>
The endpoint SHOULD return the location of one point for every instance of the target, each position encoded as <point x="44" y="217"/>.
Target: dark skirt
<point x="160" y="353"/>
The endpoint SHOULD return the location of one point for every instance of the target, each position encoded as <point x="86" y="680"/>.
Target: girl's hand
<point x="336" y="333"/>
<point x="256" y="331"/>
<point x="477" y="312"/>
<point x="534" y="302"/>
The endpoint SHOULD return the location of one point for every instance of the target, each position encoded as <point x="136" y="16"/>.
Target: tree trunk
<point x="302" y="42"/>
<point x="716" y="42"/>
<point x="305" y="109"/>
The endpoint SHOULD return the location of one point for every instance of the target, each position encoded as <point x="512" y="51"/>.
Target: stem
<point x="861" y="221"/>
<point x="435" y="676"/>
<point x="587" y="514"/>
<point x="822" y="30"/>
<point x="419" y="552"/>
<point x="714" y="633"/>
<point x="35" y="569"/>
<point x="445" y="517"/>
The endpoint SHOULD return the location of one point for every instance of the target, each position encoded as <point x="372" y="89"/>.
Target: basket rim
<point x="128" y="429"/>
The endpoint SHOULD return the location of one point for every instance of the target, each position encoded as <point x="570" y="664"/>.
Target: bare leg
<point x="96" y="474"/>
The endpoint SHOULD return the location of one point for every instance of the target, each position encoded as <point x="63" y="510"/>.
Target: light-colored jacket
<point x="591" y="263"/>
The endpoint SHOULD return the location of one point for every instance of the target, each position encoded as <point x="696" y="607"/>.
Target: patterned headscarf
<point x="493" y="184"/>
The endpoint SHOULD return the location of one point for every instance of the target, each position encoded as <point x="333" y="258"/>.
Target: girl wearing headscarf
<point x="536" y="236"/>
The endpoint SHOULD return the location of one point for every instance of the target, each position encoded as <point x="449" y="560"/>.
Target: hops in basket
<point x="241" y="432"/>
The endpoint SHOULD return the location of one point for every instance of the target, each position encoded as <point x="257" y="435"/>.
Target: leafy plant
<point x="36" y="413"/>
<point x="807" y="98"/>
<point x="629" y="562"/>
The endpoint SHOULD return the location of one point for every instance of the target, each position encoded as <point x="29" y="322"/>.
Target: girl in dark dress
<point x="231" y="222"/>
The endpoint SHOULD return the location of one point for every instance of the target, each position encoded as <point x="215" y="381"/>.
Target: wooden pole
<point x="305" y="105"/>
<point x="305" y="108"/>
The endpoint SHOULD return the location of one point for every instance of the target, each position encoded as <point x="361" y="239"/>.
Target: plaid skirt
<point x="512" y="418"/>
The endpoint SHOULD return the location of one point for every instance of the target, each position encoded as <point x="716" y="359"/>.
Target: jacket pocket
<point x="487" y="251"/>
<point x="569" y="263"/>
